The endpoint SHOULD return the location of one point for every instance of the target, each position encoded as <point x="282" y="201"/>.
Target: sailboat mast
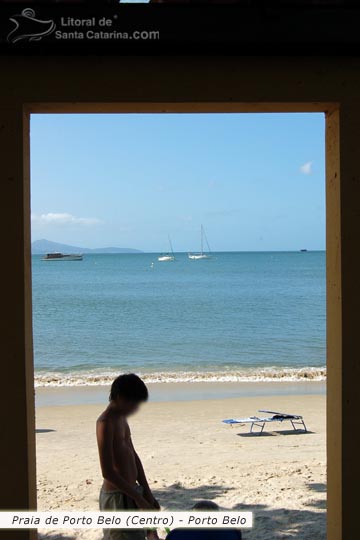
<point x="206" y="240"/>
<point x="202" y="240"/>
<point x="172" y="251"/>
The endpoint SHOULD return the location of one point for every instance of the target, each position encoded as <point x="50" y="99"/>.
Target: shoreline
<point x="100" y="377"/>
<point x="179" y="392"/>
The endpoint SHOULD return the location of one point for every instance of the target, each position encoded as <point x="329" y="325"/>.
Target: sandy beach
<point x="189" y="454"/>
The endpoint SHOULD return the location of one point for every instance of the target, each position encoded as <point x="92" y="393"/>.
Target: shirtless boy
<point x="125" y="485"/>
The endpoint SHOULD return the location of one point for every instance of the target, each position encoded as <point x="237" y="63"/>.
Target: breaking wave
<point x="102" y="378"/>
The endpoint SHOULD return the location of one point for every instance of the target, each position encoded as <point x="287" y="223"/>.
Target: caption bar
<point x="124" y="520"/>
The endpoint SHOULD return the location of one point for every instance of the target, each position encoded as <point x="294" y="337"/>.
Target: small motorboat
<point x="62" y="257"/>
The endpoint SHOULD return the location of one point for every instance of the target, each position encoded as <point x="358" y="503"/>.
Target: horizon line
<point x="141" y="252"/>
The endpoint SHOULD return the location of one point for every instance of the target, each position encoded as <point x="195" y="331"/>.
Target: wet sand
<point x="93" y="395"/>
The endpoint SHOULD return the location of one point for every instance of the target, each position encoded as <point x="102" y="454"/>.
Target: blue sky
<point x="255" y="181"/>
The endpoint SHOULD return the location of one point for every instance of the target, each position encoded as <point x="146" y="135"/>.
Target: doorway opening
<point x="223" y="336"/>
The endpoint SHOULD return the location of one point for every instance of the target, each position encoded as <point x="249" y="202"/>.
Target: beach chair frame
<point x="259" y="424"/>
<point x="297" y="421"/>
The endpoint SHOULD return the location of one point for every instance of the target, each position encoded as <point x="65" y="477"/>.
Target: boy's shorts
<point x="113" y="501"/>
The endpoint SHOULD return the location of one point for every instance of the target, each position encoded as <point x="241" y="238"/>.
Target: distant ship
<point x="201" y="254"/>
<point x="62" y="257"/>
<point x="166" y="257"/>
<point x="303" y="250"/>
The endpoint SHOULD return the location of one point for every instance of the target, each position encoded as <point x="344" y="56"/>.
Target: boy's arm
<point x="105" y="436"/>
<point x="144" y="483"/>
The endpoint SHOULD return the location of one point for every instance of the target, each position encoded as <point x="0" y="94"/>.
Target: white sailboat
<point x="166" y="257"/>
<point x="201" y="254"/>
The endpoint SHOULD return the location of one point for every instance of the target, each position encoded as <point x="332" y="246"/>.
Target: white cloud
<point x="306" y="168"/>
<point x="62" y="219"/>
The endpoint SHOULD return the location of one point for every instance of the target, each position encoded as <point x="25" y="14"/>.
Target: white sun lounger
<point x="296" y="421"/>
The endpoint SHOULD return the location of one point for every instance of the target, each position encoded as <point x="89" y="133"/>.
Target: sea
<point x="236" y="317"/>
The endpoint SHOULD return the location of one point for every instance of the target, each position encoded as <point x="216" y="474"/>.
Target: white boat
<point x="197" y="256"/>
<point x="201" y="254"/>
<point x="167" y="257"/>
<point x="62" y="257"/>
<point x="164" y="258"/>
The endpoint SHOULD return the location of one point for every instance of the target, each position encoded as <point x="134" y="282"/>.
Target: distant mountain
<point x="39" y="247"/>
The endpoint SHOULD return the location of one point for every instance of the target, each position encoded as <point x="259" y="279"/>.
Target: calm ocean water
<point x="237" y="316"/>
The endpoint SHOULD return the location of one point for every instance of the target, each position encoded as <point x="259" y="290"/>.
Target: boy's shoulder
<point x="109" y="416"/>
<point x="106" y="417"/>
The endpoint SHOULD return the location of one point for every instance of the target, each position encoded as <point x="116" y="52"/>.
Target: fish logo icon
<point x="29" y="28"/>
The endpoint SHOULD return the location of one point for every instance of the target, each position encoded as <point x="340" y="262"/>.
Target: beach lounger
<point x="296" y="421"/>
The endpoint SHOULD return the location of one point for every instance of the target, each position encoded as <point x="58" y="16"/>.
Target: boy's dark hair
<point x="130" y="387"/>
<point x="210" y="506"/>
